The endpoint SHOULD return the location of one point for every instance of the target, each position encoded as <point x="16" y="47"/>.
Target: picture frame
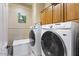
<point x="21" y="18"/>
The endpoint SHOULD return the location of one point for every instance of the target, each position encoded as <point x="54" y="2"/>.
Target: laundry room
<point x="39" y="29"/>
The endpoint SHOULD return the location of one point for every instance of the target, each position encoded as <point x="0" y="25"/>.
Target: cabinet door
<point x="43" y="19"/>
<point x="77" y="10"/>
<point x="58" y="13"/>
<point x="70" y="11"/>
<point x="48" y="15"/>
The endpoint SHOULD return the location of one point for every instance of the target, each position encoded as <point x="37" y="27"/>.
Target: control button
<point x="64" y="34"/>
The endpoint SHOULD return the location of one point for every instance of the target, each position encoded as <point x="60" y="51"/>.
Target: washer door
<point x="32" y="38"/>
<point x="52" y="44"/>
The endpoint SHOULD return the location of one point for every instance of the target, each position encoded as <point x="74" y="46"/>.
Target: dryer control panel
<point x="62" y="25"/>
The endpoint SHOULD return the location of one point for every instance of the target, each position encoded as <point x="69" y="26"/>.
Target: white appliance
<point x="21" y="47"/>
<point x="60" y="39"/>
<point x="35" y="40"/>
<point x="3" y="51"/>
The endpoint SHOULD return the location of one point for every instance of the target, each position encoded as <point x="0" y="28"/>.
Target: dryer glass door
<point x="32" y="38"/>
<point x="52" y="44"/>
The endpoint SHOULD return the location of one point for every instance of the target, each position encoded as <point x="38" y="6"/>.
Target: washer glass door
<point x="32" y="38"/>
<point x="52" y="44"/>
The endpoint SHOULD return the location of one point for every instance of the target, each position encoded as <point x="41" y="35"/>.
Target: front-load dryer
<point x="61" y="39"/>
<point x="35" y="40"/>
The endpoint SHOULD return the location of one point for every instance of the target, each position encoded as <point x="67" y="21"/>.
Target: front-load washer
<point x="35" y="40"/>
<point x="60" y="39"/>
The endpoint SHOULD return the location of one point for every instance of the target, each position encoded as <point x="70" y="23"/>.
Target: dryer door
<point x="52" y="44"/>
<point x="32" y="38"/>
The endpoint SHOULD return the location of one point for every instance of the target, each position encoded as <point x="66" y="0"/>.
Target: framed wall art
<point x="21" y="18"/>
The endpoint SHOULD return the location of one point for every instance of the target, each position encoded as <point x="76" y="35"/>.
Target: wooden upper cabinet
<point x="48" y="15"/>
<point x="77" y="10"/>
<point x="43" y="19"/>
<point x="69" y="11"/>
<point x="58" y="13"/>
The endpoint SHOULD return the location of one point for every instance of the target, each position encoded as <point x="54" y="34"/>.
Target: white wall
<point x="17" y="30"/>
